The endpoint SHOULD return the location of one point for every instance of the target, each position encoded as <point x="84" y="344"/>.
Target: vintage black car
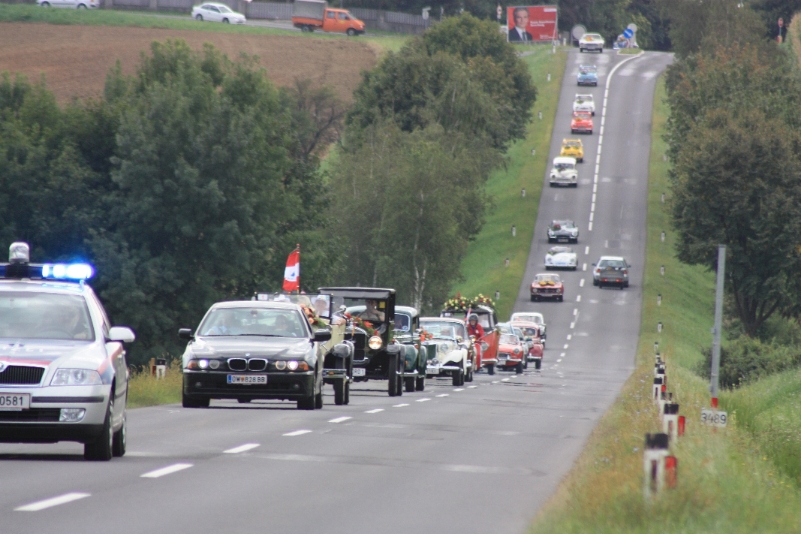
<point x="249" y="350"/>
<point x="369" y="314"/>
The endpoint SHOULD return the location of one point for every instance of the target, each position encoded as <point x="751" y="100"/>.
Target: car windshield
<point x="564" y="166"/>
<point x="402" y="322"/>
<point x="572" y="144"/>
<point x="533" y="318"/>
<point x="567" y="225"/>
<point x="509" y="339"/>
<point x="560" y="250"/>
<point x="612" y="264"/>
<point x="371" y="310"/>
<point x="321" y="303"/>
<point x="445" y="329"/>
<point x="586" y="69"/>
<point x="224" y="9"/>
<point x="529" y="331"/>
<point x="584" y="98"/>
<point x="593" y="37"/>
<point x="253" y="322"/>
<point x="31" y="315"/>
<point x="581" y="115"/>
<point x="553" y="278"/>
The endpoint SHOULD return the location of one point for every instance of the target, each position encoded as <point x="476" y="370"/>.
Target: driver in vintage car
<point x="371" y="312"/>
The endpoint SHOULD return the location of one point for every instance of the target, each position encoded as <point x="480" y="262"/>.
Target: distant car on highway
<point x="563" y="172"/>
<point x="531" y="317"/>
<point x="584" y="102"/>
<point x="249" y="350"/>
<point x="63" y="374"/>
<point x="217" y="12"/>
<point x="563" y="231"/>
<point x="547" y="286"/>
<point x="560" y="257"/>
<point x="73" y="4"/>
<point x="587" y="75"/>
<point x="611" y="271"/>
<point x="531" y="334"/>
<point x="590" y="42"/>
<point x="572" y="148"/>
<point x="581" y="122"/>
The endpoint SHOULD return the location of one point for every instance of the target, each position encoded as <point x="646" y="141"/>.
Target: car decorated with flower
<point x="531" y="317"/>
<point x="484" y="308"/>
<point x="581" y="122"/>
<point x="584" y="102"/>
<point x="590" y="42"/>
<point x="369" y="314"/>
<point x="562" y="231"/>
<point x="449" y="349"/>
<point x="547" y="286"/>
<point x="63" y="374"/>
<point x="531" y="334"/>
<point x="561" y="257"/>
<point x="572" y="148"/>
<point x="587" y="75"/>
<point x="563" y="172"/>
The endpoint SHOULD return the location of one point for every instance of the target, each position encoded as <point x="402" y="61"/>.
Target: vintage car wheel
<point x="101" y="448"/>
<point x="537" y="363"/>
<point x="519" y="368"/>
<point x="458" y="377"/>
<point x="490" y="369"/>
<point x="469" y="377"/>
<point x="393" y="387"/>
<point x="341" y="388"/>
<point x="420" y="383"/>
<point x="410" y="385"/>
<point x="189" y="402"/>
<point x="561" y="298"/>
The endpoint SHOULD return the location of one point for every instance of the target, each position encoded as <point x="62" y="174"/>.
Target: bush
<point x="746" y="359"/>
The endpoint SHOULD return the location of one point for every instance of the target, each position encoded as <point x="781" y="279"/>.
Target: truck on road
<point x="310" y="15"/>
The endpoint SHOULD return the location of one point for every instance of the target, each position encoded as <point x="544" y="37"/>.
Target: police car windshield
<point x="28" y="315"/>
<point x="252" y="322"/>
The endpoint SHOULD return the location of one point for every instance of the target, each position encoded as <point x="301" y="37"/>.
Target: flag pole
<point x="297" y="247"/>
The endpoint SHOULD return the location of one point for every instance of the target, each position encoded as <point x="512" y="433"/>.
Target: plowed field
<point x="76" y="59"/>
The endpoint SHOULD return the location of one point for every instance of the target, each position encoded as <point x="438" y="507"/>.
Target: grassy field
<point x="381" y="41"/>
<point x="728" y="480"/>
<point x="145" y="390"/>
<point x="484" y="267"/>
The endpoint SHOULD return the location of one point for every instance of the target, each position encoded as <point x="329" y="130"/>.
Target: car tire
<point x="457" y="378"/>
<point x="590" y="132"/>
<point x="119" y="443"/>
<point x="45" y="4"/>
<point x="626" y="284"/>
<point x="538" y="363"/>
<point x="243" y="401"/>
<point x="318" y="401"/>
<point x="420" y="383"/>
<point x="226" y="21"/>
<point x="339" y="391"/>
<point x="561" y="298"/>
<point x="532" y="298"/>
<point x="490" y="369"/>
<point x="81" y="6"/>
<point x="581" y="50"/>
<point x="101" y="449"/>
<point x="189" y="402"/>
<point x="199" y="17"/>
<point x="410" y="384"/>
<point x="469" y="376"/>
<point x="307" y="403"/>
<point x="595" y="282"/>
<point x="519" y="368"/>
<point x="351" y="32"/>
<point x="393" y="386"/>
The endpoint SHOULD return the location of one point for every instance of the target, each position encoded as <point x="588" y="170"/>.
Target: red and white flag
<point x="292" y="271"/>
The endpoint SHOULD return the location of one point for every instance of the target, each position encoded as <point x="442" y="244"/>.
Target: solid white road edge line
<point x="340" y="419"/>
<point x="55" y="501"/>
<point x="297" y="433"/>
<point x="242" y="448"/>
<point x="170" y="469"/>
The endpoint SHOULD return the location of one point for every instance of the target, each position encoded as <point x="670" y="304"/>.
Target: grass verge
<point x="145" y="390"/>
<point x="381" y="42"/>
<point x="484" y="267"/>
<point x="726" y="481"/>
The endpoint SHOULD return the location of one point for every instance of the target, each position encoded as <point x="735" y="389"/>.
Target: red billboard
<point x="531" y="24"/>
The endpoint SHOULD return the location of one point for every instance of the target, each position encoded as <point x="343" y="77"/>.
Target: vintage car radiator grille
<point x="35" y="415"/>
<point x="20" y="374"/>
<point x="547" y="290"/>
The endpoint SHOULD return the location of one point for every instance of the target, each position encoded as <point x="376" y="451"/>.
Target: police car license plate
<point x="247" y="379"/>
<point x="359" y="371"/>
<point x="15" y="402"/>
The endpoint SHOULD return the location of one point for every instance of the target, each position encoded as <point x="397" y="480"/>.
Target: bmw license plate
<point x="359" y="371"/>
<point x="247" y="379"/>
<point x="15" y="402"/>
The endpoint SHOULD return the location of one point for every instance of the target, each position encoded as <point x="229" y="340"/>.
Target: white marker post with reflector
<point x="654" y="454"/>
<point x="670" y="421"/>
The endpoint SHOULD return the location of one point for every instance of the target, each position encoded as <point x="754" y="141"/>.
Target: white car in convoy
<point x="73" y="4"/>
<point x="590" y="42"/>
<point x="216" y="12"/>
<point x="63" y="375"/>
<point x="531" y="317"/>
<point x="584" y="102"/>
<point x="564" y="172"/>
<point x="561" y="257"/>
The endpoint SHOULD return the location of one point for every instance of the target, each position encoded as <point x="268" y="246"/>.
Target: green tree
<point x="737" y="181"/>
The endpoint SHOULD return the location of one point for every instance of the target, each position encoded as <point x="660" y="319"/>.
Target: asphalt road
<point x="482" y="458"/>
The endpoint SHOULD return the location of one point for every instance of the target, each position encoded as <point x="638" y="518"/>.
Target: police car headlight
<point x="76" y="377"/>
<point x="375" y="342"/>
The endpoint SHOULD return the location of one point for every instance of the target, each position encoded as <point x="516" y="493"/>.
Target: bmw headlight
<point x="76" y="377"/>
<point x="375" y="343"/>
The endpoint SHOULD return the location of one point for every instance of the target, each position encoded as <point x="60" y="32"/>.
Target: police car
<point x="63" y="375"/>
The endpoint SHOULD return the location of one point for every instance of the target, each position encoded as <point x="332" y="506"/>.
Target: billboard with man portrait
<point x="531" y="24"/>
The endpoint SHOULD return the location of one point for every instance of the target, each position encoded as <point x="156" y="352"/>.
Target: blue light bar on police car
<point x="67" y="271"/>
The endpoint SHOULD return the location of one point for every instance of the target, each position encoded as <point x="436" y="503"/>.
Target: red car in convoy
<point x="487" y="346"/>
<point x="512" y="353"/>
<point x="581" y="122"/>
<point x="547" y="286"/>
<point x="531" y="333"/>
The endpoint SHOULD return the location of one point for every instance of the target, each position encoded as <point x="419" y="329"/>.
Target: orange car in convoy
<point x="581" y="122"/>
<point x="547" y="286"/>
<point x="512" y="353"/>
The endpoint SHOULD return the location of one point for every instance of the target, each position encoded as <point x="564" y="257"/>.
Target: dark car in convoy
<point x="249" y="350"/>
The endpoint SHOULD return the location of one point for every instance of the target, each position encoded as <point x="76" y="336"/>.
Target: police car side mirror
<point x="121" y="333"/>
<point x="321" y="336"/>
<point x="185" y="333"/>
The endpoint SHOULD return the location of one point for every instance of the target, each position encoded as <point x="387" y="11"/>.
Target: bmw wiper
<point x="261" y="335"/>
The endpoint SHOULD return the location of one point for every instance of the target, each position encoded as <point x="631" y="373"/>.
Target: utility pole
<point x="716" y="331"/>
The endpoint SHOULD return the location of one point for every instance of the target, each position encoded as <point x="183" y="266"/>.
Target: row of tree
<point x="187" y="183"/>
<point x="427" y="127"/>
<point x="735" y="142"/>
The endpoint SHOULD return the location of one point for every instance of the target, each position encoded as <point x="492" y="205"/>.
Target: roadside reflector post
<point x="659" y="326"/>
<point x="153" y="366"/>
<point x="656" y="347"/>
<point x="539" y="114"/>
<point x="659" y="299"/>
<point x="533" y="151"/>
<point x="161" y="367"/>
<point x="662" y="270"/>
<point x="682" y="425"/>
<point x="663" y="236"/>
<point x="514" y="230"/>
<point x="549" y="76"/>
<point x="671" y="471"/>
<point x="497" y="294"/>
<point x="657" y="388"/>
<point x="506" y="262"/>
<point x="663" y="198"/>
<point x="654" y="454"/>
<point x="670" y="421"/>
<point x="523" y="192"/>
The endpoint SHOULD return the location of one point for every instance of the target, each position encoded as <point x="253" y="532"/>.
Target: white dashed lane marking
<point x="297" y="433"/>
<point x="375" y="411"/>
<point x="400" y="405"/>
<point x="566" y="346"/>
<point x="339" y="419"/>
<point x="472" y="387"/>
<point x="170" y="469"/>
<point x="49" y="503"/>
<point x="459" y="389"/>
<point x="587" y="249"/>
<point x="423" y="400"/>
<point x="581" y="283"/>
<point x="242" y="448"/>
<point x="578" y="298"/>
<point x="562" y="355"/>
<point x="442" y="395"/>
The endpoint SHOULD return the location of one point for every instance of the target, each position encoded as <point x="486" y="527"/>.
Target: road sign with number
<point x="714" y="417"/>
